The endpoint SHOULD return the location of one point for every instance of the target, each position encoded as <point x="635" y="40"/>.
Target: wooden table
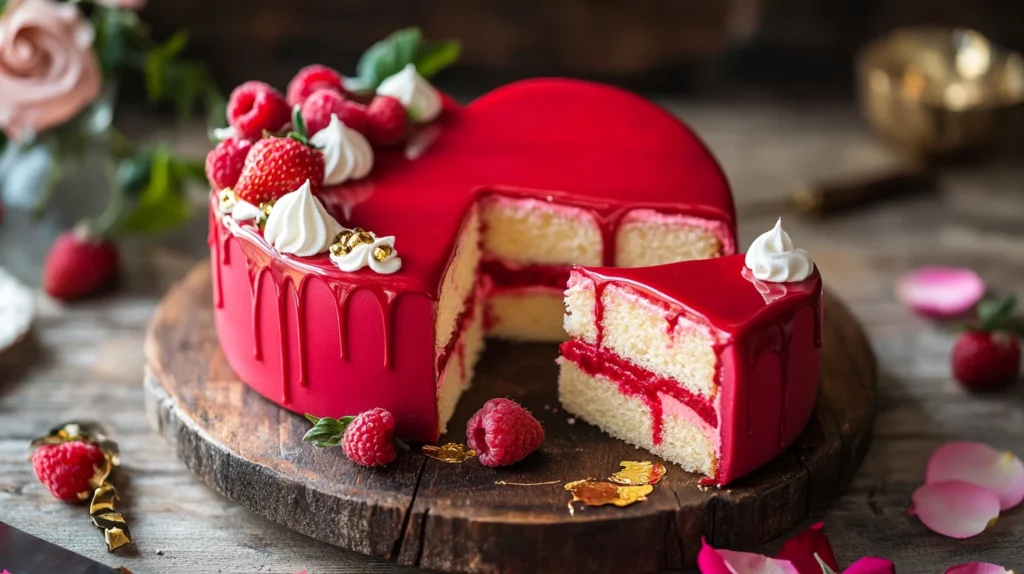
<point x="85" y="361"/>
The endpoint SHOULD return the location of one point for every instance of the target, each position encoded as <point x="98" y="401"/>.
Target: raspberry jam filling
<point x="504" y="276"/>
<point x="636" y="381"/>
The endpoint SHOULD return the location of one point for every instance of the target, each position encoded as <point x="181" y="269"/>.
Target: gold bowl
<point x="940" y="91"/>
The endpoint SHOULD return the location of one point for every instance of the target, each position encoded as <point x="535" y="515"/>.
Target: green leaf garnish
<point x="326" y="431"/>
<point x="407" y="46"/>
<point x="994" y="314"/>
<point x="161" y="203"/>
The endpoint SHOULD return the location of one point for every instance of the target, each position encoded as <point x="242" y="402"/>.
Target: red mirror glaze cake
<point x="360" y="260"/>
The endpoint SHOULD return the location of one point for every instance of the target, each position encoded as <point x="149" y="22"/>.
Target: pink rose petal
<point x="712" y="561"/>
<point x="955" y="508"/>
<point x="978" y="463"/>
<point x="800" y="550"/>
<point x="978" y="568"/>
<point x="940" y="291"/>
<point x="871" y="565"/>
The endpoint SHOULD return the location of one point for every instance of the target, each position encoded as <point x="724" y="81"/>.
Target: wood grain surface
<point x="85" y="360"/>
<point x="422" y="512"/>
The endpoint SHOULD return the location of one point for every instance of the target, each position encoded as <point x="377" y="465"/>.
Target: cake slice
<point x="699" y="362"/>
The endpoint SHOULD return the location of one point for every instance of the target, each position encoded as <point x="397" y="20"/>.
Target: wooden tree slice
<point x="421" y="512"/>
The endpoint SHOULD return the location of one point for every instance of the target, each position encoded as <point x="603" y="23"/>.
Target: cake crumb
<point x="571" y="420"/>
<point x="158" y="552"/>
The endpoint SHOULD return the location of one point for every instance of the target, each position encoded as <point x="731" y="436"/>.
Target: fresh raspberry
<point x="224" y="162"/>
<point x="319" y="106"/>
<point x="276" y="166"/>
<point x="313" y="78"/>
<point x="79" y="265"/>
<point x="65" y="468"/>
<point x="503" y="433"/>
<point x="388" y="121"/>
<point x="986" y="360"/>
<point x="370" y="438"/>
<point x="254" y="107"/>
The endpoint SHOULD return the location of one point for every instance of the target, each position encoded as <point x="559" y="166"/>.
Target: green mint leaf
<point x="161" y="205"/>
<point x="326" y="431"/>
<point x="995" y="313"/>
<point x="433" y="57"/>
<point x="388" y="56"/>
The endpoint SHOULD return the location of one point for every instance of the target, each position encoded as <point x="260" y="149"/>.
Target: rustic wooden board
<point x="421" y="512"/>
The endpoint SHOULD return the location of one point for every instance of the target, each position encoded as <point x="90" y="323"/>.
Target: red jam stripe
<point x="503" y="275"/>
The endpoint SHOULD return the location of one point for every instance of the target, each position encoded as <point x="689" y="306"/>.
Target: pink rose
<point x="48" y="71"/>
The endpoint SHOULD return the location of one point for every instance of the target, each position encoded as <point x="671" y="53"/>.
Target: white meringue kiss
<point x="299" y="224"/>
<point x="347" y="153"/>
<point x="772" y="258"/>
<point x="362" y="256"/>
<point x="245" y="211"/>
<point x="422" y="100"/>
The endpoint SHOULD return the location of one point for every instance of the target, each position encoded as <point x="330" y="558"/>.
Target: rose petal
<point x="978" y="463"/>
<point x="800" y="550"/>
<point x="955" y="508"/>
<point x="940" y="291"/>
<point x="871" y="565"/>
<point x="712" y="561"/>
<point x="978" y="568"/>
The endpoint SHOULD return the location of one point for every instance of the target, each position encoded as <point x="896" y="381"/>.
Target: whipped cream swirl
<point x="347" y="153"/>
<point x="421" y="100"/>
<point x="299" y="224"/>
<point x="363" y="256"/>
<point x="772" y="258"/>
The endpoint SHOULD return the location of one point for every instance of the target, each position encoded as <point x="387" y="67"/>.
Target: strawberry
<point x="79" y="265"/>
<point x="388" y="121"/>
<point x="987" y="356"/>
<point x="276" y="166"/>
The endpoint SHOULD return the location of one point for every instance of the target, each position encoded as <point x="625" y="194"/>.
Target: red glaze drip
<point x="300" y="331"/>
<point x="634" y="380"/>
<point x="256" y="288"/>
<point x="505" y="276"/>
<point x="213" y="240"/>
<point x="282" y="328"/>
<point x="341" y="293"/>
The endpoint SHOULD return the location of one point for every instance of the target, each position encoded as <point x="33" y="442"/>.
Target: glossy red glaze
<point x="315" y="339"/>
<point x="768" y="341"/>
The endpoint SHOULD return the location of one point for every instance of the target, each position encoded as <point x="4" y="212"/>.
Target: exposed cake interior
<point x="510" y="268"/>
<point x="529" y="244"/>
<point x="642" y="372"/>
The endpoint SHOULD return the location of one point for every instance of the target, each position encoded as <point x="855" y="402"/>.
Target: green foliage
<point x="161" y="202"/>
<point x="407" y="46"/>
<point x="185" y="84"/>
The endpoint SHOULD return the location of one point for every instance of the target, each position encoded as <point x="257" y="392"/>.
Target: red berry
<point x="370" y="438"/>
<point x="224" y="162"/>
<point x="986" y="360"/>
<point x="313" y="78"/>
<point x="276" y="166"/>
<point x="65" y="468"/>
<point x="503" y="433"/>
<point x="254" y="107"/>
<point x="317" y="110"/>
<point x="78" y="266"/>
<point x="388" y="121"/>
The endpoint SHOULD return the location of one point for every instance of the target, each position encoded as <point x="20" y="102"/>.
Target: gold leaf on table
<point x="594" y="493"/>
<point x="637" y="473"/>
<point x="452" y="453"/>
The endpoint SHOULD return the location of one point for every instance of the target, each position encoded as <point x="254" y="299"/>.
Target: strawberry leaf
<point x="995" y="313"/>
<point x="326" y="431"/>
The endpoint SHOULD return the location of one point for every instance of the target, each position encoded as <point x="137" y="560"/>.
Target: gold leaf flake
<point x="637" y="473"/>
<point x="594" y="493"/>
<point x="451" y="453"/>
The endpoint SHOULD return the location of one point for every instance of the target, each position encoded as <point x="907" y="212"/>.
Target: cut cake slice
<point x="696" y="361"/>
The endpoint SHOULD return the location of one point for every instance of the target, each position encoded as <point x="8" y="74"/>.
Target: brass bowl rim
<point x="868" y="54"/>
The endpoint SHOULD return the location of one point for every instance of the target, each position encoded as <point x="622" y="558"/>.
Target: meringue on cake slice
<point x="712" y="364"/>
